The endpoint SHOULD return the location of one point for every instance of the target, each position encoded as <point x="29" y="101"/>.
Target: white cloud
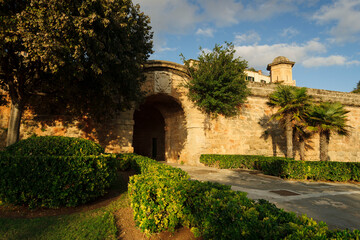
<point x="250" y="37"/>
<point x="345" y="17"/>
<point x="259" y="10"/>
<point x="165" y="49"/>
<point x="261" y="55"/>
<point x="289" y="32"/>
<point x="182" y="16"/>
<point x="306" y="54"/>
<point x="185" y="16"/>
<point x="170" y="16"/>
<point x="207" y="32"/>
<point x="334" y="60"/>
<point x="222" y="13"/>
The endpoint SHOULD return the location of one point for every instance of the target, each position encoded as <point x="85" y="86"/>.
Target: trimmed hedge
<point x="287" y="167"/>
<point x="54" y="145"/>
<point x="54" y="181"/>
<point x="163" y="198"/>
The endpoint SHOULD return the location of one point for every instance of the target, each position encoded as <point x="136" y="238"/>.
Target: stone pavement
<point x="337" y="204"/>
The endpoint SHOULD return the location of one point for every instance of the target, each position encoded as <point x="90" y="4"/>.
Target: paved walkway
<point x="337" y="204"/>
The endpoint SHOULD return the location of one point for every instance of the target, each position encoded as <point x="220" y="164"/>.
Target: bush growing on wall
<point x="217" y="84"/>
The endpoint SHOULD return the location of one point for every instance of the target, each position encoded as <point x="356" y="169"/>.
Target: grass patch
<point x="94" y="224"/>
<point x="91" y="225"/>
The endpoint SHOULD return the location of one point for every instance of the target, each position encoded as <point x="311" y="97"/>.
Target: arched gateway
<point x="161" y="130"/>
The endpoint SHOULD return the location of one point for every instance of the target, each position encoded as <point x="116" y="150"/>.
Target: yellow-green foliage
<point x="163" y="198"/>
<point x="287" y="167"/>
<point x="55" y="145"/>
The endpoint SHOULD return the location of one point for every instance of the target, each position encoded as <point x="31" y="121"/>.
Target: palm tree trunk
<point x="289" y="137"/>
<point x="302" y="148"/>
<point x="14" y="123"/>
<point x="324" y="145"/>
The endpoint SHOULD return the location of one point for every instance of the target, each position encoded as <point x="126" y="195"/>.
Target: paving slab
<point x="337" y="204"/>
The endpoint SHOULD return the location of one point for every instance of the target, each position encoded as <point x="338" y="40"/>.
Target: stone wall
<point x="251" y="132"/>
<point x="188" y="133"/>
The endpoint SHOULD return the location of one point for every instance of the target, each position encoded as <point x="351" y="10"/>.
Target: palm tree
<point x="303" y="134"/>
<point x="325" y="119"/>
<point x="291" y="103"/>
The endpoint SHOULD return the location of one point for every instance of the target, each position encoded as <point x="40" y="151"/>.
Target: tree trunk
<point x="289" y="137"/>
<point x="324" y="145"/>
<point x="14" y="124"/>
<point x="302" y="148"/>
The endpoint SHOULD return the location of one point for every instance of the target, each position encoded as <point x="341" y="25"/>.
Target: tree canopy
<point x="217" y="84"/>
<point x="291" y="104"/>
<point x="82" y="56"/>
<point x="326" y="118"/>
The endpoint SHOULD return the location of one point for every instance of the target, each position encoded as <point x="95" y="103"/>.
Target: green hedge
<point x="286" y="167"/>
<point x="55" y="145"/>
<point x="163" y="198"/>
<point x="53" y="181"/>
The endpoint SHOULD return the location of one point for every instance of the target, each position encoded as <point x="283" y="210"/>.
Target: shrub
<point x="157" y="201"/>
<point x="122" y="161"/>
<point x="53" y="181"/>
<point x="235" y="161"/>
<point x="287" y="167"/>
<point x="163" y="198"/>
<point x="156" y="195"/>
<point x="55" y="145"/>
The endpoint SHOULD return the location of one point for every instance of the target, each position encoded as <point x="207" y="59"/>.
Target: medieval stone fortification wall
<point x="188" y="133"/>
<point x="251" y="132"/>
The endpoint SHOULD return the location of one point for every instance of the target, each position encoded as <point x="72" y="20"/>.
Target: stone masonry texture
<point x="189" y="132"/>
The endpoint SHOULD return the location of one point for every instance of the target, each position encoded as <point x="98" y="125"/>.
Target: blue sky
<point x="321" y="36"/>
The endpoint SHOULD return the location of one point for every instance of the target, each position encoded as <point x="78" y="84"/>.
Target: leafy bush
<point x="55" y="145"/>
<point x="235" y="161"/>
<point x="163" y="198"/>
<point x="122" y="161"/>
<point x="53" y="181"/>
<point x="157" y="201"/>
<point x="217" y="84"/>
<point x="287" y="167"/>
<point x="156" y="195"/>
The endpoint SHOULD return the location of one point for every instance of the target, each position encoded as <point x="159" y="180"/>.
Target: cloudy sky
<point x="321" y="36"/>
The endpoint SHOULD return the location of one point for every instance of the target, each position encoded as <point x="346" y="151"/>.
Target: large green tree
<point x="80" y="56"/>
<point x="326" y="118"/>
<point x="291" y="104"/>
<point x="217" y="84"/>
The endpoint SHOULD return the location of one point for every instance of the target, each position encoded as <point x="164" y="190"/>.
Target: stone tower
<point x="281" y="71"/>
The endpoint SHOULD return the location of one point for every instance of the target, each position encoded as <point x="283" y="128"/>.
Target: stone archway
<point x="160" y="128"/>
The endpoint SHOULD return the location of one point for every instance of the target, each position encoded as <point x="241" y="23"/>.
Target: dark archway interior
<point x="159" y="129"/>
<point x="149" y="133"/>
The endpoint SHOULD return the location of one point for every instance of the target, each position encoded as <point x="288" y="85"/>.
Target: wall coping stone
<point x="319" y="95"/>
<point x="152" y="65"/>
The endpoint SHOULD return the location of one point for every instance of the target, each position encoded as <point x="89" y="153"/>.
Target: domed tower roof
<point x="280" y="60"/>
